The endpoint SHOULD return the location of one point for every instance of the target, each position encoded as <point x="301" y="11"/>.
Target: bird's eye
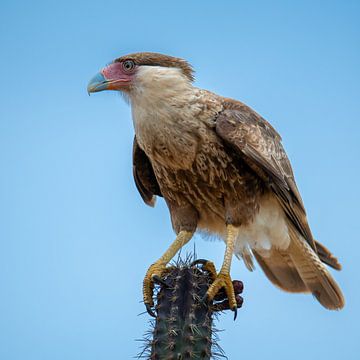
<point x="128" y="65"/>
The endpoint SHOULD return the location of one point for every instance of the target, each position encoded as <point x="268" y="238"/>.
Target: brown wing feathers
<point x="281" y="271"/>
<point x="144" y="176"/>
<point x="327" y="257"/>
<point x="300" y="267"/>
<point x="260" y="146"/>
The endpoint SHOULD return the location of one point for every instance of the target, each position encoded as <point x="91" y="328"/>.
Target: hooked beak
<point x="110" y="78"/>
<point x="97" y="83"/>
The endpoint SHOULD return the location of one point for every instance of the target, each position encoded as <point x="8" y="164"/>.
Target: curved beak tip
<point x="97" y="83"/>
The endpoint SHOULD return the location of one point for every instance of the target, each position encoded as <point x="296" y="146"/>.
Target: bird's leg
<point x="157" y="270"/>
<point x="223" y="279"/>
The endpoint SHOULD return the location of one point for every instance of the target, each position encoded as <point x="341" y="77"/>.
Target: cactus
<point x="183" y="327"/>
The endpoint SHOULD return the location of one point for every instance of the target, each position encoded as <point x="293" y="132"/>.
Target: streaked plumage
<point x="217" y="162"/>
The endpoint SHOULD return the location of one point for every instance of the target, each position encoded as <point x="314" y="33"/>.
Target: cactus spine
<point x="183" y="327"/>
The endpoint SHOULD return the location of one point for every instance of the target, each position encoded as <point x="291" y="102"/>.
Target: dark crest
<point x="155" y="59"/>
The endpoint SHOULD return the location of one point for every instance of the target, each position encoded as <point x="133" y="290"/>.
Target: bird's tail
<point x="301" y="269"/>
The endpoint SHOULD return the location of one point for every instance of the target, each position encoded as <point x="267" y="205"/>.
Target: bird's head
<point x="141" y="71"/>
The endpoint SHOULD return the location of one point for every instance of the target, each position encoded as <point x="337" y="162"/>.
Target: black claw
<point x="205" y="299"/>
<point x="235" y="312"/>
<point x="159" y="280"/>
<point x="199" y="261"/>
<point x="150" y="310"/>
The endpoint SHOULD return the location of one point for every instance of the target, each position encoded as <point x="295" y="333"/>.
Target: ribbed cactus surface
<point x="183" y="327"/>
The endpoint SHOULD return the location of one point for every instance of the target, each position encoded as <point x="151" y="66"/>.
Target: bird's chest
<point x="169" y="137"/>
<point x="213" y="176"/>
<point x="171" y="129"/>
<point x="168" y="145"/>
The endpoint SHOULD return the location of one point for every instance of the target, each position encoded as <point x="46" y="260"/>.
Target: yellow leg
<point x="223" y="279"/>
<point x="157" y="269"/>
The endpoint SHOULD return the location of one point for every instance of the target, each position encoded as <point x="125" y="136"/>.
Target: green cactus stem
<point x="183" y="327"/>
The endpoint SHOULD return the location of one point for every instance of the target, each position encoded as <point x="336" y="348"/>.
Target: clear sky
<point x="75" y="237"/>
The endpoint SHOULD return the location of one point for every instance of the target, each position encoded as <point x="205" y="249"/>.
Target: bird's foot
<point x="155" y="274"/>
<point x="223" y="281"/>
<point x="224" y="291"/>
<point x="207" y="266"/>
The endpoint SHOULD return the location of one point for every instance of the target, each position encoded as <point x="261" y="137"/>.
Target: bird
<point x="222" y="170"/>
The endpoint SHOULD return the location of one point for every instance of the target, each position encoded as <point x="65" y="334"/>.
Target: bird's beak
<point x="98" y="83"/>
<point x="110" y="78"/>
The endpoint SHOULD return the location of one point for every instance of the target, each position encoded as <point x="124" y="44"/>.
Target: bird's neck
<point x="158" y="81"/>
<point x="157" y="94"/>
<point x="167" y="113"/>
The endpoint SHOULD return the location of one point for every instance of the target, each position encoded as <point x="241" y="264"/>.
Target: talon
<point x="149" y="310"/>
<point x="205" y="299"/>
<point x="159" y="280"/>
<point x="235" y="312"/>
<point x="224" y="304"/>
<point x="223" y="280"/>
<point x="207" y="266"/>
<point x="154" y="274"/>
<point x="199" y="261"/>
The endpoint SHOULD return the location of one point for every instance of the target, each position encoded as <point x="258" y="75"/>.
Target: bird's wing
<point x="259" y="145"/>
<point x="144" y="176"/>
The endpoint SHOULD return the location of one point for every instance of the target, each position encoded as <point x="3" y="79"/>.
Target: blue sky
<point x="75" y="237"/>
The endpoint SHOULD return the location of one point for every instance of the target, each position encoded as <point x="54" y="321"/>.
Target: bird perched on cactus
<point x="221" y="169"/>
